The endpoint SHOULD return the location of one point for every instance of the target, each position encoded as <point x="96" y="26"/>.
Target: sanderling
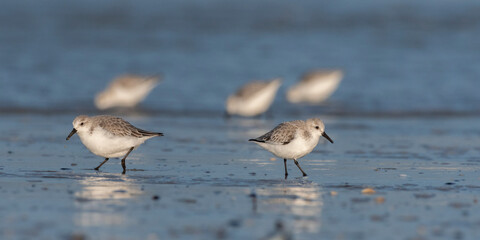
<point x="293" y="140"/>
<point x="109" y="136"/>
<point x="315" y="87"/>
<point x="125" y="91"/>
<point x="254" y="98"/>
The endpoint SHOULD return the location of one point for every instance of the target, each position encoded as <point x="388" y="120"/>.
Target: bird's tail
<point x="148" y="133"/>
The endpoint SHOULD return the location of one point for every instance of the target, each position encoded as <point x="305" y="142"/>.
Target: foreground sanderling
<point x="125" y="91"/>
<point x="293" y="140"/>
<point x="109" y="136"/>
<point x="315" y="87"/>
<point x="254" y="98"/>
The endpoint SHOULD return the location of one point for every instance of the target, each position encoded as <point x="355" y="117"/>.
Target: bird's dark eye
<point x="81" y="124"/>
<point x="317" y="127"/>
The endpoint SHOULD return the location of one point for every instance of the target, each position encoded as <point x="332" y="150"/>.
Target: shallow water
<point x="398" y="56"/>
<point x="404" y="120"/>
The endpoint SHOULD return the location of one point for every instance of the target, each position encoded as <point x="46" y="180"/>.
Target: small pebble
<point x="155" y="197"/>
<point x="333" y="193"/>
<point x="379" y="200"/>
<point x="368" y="191"/>
<point x="234" y="223"/>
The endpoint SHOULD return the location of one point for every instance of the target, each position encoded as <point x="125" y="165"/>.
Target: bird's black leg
<point x="298" y="165"/>
<point x="123" y="160"/>
<point x="106" y="159"/>
<point x="285" y="163"/>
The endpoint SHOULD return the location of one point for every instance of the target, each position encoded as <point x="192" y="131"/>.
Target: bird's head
<point x="318" y="128"/>
<point x="80" y="124"/>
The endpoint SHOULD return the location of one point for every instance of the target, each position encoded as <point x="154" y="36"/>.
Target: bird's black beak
<point x="71" y="133"/>
<point x="327" y="137"/>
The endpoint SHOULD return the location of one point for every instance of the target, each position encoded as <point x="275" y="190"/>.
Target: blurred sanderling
<point x="315" y="87"/>
<point x="109" y="136"/>
<point x="293" y="140"/>
<point x="254" y="98"/>
<point x="125" y="91"/>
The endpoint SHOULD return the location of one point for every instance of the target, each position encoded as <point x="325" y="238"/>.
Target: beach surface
<point x="203" y="180"/>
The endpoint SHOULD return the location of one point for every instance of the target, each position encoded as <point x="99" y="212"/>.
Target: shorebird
<point x="254" y="98"/>
<point x="315" y="87"/>
<point x="125" y="91"/>
<point x="293" y="140"/>
<point x="109" y="136"/>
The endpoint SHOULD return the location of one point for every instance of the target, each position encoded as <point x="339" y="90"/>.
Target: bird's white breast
<point x="296" y="149"/>
<point x="121" y="96"/>
<point x="253" y="105"/>
<point x="315" y="91"/>
<point x="105" y="144"/>
<point x="130" y="97"/>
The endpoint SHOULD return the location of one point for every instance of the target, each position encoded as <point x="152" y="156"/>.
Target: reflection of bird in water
<point x="280" y="233"/>
<point x="253" y="196"/>
<point x="293" y="140"/>
<point x="100" y="192"/>
<point x="253" y="99"/>
<point x="109" y="136"/>
<point x="315" y="87"/>
<point x="106" y="188"/>
<point x="125" y="91"/>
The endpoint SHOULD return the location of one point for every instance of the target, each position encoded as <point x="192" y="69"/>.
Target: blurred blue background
<point x="398" y="56"/>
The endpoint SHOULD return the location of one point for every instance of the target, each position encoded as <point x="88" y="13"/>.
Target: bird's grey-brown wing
<point x="132" y="81"/>
<point x="284" y="133"/>
<point x="251" y="89"/>
<point x="127" y="81"/>
<point x="120" y="127"/>
<point x="313" y="76"/>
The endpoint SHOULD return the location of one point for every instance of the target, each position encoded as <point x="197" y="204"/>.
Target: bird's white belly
<point x="253" y="105"/>
<point x="314" y="92"/>
<point x="124" y="98"/>
<point x="107" y="145"/>
<point x="293" y="150"/>
<point x="322" y="90"/>
<point x="259" y="104"/>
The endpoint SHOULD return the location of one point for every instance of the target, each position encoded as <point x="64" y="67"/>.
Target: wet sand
<point x="203" y="180"/>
